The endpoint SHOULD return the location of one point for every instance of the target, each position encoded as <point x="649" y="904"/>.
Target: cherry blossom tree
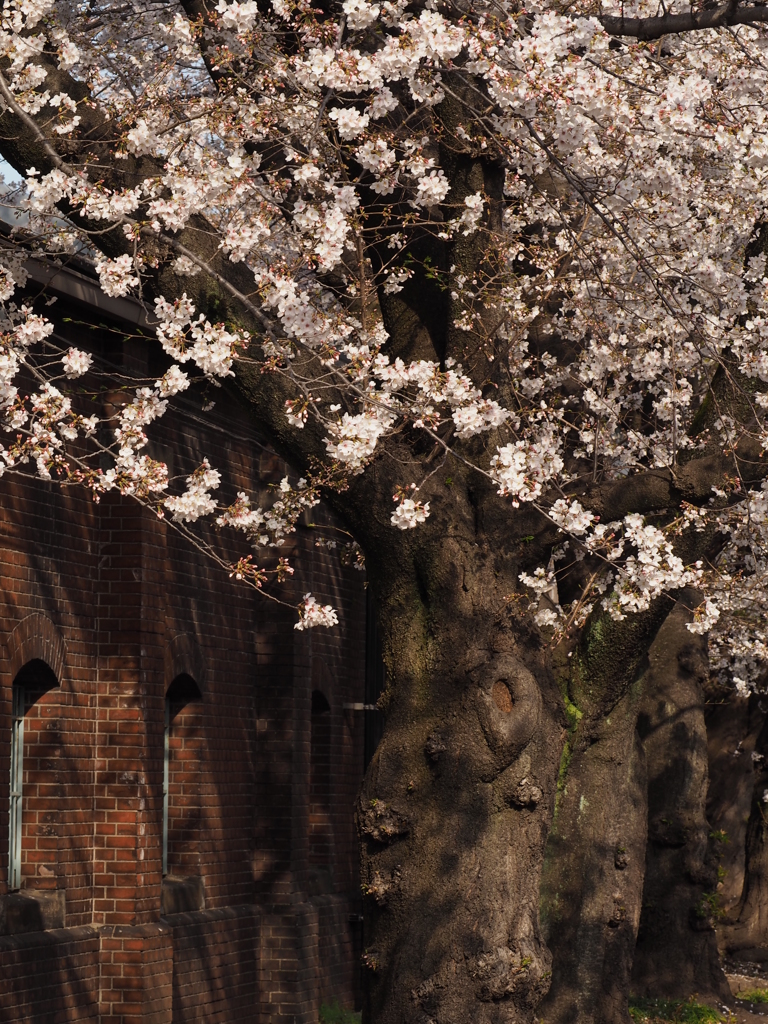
<point x="492" y="278"/>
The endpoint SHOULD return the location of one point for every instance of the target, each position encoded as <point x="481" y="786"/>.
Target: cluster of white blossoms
<point x="45" y="426"/>
<point x="76" y="362"/>
<point x="196" y="501"/>
<point x="360" y="14"/>
<point x="409" y="513"/>
<point x="734" y="616"/>
<point x="470" y="218"/>
<point x="42" y="422"/>
<point x="269" y="527"/>
<point x="614" y="190"/>
<point x="630" y="579"/>
<point x="523" y="469"/>
<point x="419" y="390"/>
<point x="312" y="613"/>
<point x="236" y="16"/>
<point x="327" y="224"/>
<point x="354" y="438"/>
<point x="648" y="573"/>
<point x="211" y="347"/>
<point x="117" y="277"/>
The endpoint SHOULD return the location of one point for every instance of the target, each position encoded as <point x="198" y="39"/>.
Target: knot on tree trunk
<point x="620" y="858"/>
<point x="381" y="887"/>
<point x="427" y="995"/>
<point x="508" y="706"/>
<point x="502" y="972"/>
<point x="434" y="747"/>
<point x="526" y="795"/>
<point x="380" y="822"/>
<point x="618" y="913"/>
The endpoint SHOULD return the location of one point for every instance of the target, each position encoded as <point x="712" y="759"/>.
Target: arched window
<point x="320" y="824"/>
<point x="182" y="740"/>
<point x="35" y="746"/>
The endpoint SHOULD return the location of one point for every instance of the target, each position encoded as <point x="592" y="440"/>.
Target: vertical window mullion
<point x="17" y="770"/>
<point x="166" y="781"/>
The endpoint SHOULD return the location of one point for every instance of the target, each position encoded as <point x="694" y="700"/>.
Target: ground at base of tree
<point x="335" y="1014"/>
<point x="748" y="981"/>
<point x="675" y="1011"/>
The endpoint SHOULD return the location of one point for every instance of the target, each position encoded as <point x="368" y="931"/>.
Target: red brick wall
<point x="135" y="974"/>
<point x="118" y="606"/>
<point x="216" y="966"/>
<point x="320" y="752"/>
<point x="339" y="950"/>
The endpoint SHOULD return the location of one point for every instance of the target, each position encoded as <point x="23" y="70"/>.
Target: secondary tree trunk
<point x="750" y="929"/>
<point x="733" y="725"/>
<point x="594" y="872"/>
<point x="676" y="952"/>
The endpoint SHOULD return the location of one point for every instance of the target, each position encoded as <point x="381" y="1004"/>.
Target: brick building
<point x="178" y="765"/>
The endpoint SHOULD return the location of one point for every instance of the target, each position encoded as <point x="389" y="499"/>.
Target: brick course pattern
<point x="50" y="978"/>
<point x="216" y="965"/>
<point x="103" y="609"/>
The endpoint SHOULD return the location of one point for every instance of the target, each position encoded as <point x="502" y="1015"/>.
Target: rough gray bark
<point x="457" y="805"/>
<point x="592" y="887"/>
<point x="676" y="953"/>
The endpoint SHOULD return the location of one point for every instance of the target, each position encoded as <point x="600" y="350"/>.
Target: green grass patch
<point x="337" y="1015"/>
<point x="754" y="995"/>
<point x="664" y="1011"/>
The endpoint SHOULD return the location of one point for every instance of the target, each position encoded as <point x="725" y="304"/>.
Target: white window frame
<point x="17" y="795"/>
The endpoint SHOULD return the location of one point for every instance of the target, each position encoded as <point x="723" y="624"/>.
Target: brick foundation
<point x="50" y="978"/>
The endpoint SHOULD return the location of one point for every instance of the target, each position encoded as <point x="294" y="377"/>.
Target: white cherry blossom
<point x="409" y="514"/>
<point x="312" y="613"/>
<point x="117" y="277"/>
<point x="76" y="362"/>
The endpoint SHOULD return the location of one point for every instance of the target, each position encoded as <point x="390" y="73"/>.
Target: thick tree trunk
<point x="454" y="817"/>
<point x="676" y="954"/>
<point x="594" y="871"/>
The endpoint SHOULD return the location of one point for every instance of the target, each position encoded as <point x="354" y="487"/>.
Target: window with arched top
<point x="320" y="822"/>
<point x="182" y="749"/>
<point x="34" y="782"/>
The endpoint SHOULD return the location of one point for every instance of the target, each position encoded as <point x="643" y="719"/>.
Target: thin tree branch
<point x="646" y="29"/>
